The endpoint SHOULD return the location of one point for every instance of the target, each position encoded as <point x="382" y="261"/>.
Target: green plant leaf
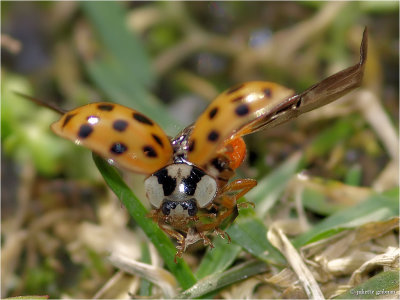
<point x="270" y="188"/>
<point x="376" y="208"/>
<point x="138" y="212"/>
<point x="121" y="67"/>
<point x="385" y="285"/>
<point x="251" y="234"/>
<point x="221" y="279"/>
<point x="217" y="259"/>
<point x="109" y="20"/>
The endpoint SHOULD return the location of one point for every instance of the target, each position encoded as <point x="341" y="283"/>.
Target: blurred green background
<point x="169" y="60"/>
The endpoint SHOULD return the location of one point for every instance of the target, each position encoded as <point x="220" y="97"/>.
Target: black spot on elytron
<point x="242" y="110"/>
<point x="118" y="148"/>
<point x="120" y="125"/>
<point x="267" y="92"/>
<point x="149" y="151"/>
<point x="142" y="118"/>
<point x="168" y="183"/>
<point x="191" y="145"/>
<point x="85" y="130"/>
<point x="237" y="99"/>
<point x="67" y="119"/>
<point x="105" y="107"/>
<point x="212" y="113"/>
<point x="235" y="88"/>
<point x="190" y="182"/>
<point x="190" y="206"/>
<point x="213" y="136"/>
<point x="157" y="139"/>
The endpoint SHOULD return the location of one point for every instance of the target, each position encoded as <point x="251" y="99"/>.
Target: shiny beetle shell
<point x="189" y="176"/>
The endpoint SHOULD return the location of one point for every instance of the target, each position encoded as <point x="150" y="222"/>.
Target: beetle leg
<point x="241" y="185"/>
<point x="223" y="234"/>
<point x="206" y="240"/>
<point x="179" y="238"/>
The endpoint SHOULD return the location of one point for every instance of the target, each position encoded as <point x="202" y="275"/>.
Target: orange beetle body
<point x="188" y="181"/>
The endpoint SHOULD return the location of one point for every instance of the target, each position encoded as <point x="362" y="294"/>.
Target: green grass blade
<point x="385" y="285"/>
<point x="121" y="67"/>
<point x="219" y="280"/>
<point x="145" y="285"/>
<point x="375" y="208"/>
<point x="121" y="90"/>
<point x="138" y="212"/>
<point x="270" y="188"/>
<point x="217" y="259"/>
<point x="109" y="20"/>
<point x="330" y="137"/>
<point x="251" y="234"/>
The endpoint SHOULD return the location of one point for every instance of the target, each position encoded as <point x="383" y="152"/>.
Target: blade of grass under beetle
<point x="376" y="207"/>
<point x="138" y="212"/>
<point x="384" y="285"/>
<point x="219" y="258"/>
<point x="270" y="188"/>
<point x="251" y="234"/>
<point x="145" y="285"/>
<point x="222" y="279"/>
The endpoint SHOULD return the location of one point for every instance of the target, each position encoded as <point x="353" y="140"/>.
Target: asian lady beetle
<point x="188" y="176"/>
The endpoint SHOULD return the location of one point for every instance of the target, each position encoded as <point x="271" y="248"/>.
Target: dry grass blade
<point x="388" y="259"/>
<point x="375" y="114"/>
<point x="109" y="284"/>
<point x="158" y="276"/>
<point x="279" y="240"/>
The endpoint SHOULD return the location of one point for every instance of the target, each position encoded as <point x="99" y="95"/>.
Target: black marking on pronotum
<point x="242" y="110"/>
<point x="212" y="113"/>
<point x="190" y="182"/>
<point x="235" y="88"/>
<point x="85" y="130"/>
<point x="192" y="145"/>
<point x="120" y="125"/>
<point x="157" y="139"/>
<point x="142" y="118"/>
<point x="118" y="148"/>
<point x="105" y="107"/>
<point x="267" y="92"/>
<point x="168" y="183"/>
<point x="213" y="136"/>
<point x="67" y="119"/>
<point x="149" y="151"/>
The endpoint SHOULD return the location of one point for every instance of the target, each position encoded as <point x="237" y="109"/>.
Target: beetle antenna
<point x="42" y="103"/>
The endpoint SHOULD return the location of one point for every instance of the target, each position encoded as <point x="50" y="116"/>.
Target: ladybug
<point x="188" y="177"/>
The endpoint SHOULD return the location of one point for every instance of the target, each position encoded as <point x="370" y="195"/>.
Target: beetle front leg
<point x="179" y="238"/>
